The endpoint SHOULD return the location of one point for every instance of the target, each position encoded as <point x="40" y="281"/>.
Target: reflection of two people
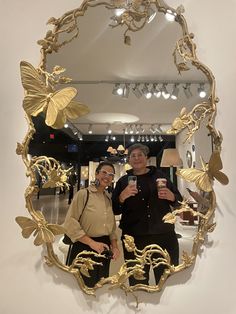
<point x="90" y="224"/>
<point x="143" y="207"/>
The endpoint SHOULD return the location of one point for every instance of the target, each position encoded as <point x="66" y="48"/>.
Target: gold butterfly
<point x="56" y="179"/>
<point x="43" y="231"/>
<point x="58" y="105"/>
<point x="203" y="178"/>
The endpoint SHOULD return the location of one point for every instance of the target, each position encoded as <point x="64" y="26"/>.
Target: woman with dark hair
<point x="90" y="223"/>
<point x="143" y="206"/>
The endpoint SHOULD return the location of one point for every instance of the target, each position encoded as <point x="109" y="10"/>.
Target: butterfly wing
<point x="56" y="229"/>
<point x="60" y="120"/>
<point x="44" y="236"/>
<point x="31" y="79"/>
<point x="34" y="104"/>
<point x="28" y="226"/>
<point x="199" y="177"/>
<point x="215" y="165"/>
<point x="59" y="100"/>
<point x="76" y="109"/>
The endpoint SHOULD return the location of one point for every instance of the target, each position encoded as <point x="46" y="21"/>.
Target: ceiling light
<point x="117" y="90"/>
<point x="151" y="14"/>
<point x="155" y="91"/>
<point x="119" y="12"/>
<point x="125" y="93"/>
<point x="131" y="129"/>
<point x="146" y="91"/>
<point x="136" y="91"/>
<point x="80" y="137"/>
<point x="160" y="138"/>
<point x="158" y="129"/>
<point x="201" y="91"/>
<point x="175" y="92"/>
<point x="107" y="138"/>
<point x="170" y="16"/>
<point x="109" y="130"/>
<point x="141" y="129"/>
<point x="132" y="139"/>
<point x="152" y="129"/>
<point x="187" y="90"/>
<point x="164" y="91"/>
<point x="90" y="131"/>
<point x="66" y="125"/>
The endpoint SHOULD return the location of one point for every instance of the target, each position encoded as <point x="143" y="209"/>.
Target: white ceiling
<point x="99" y="54"/>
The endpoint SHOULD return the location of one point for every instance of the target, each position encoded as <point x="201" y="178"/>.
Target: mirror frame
<point x="50" y="169"/>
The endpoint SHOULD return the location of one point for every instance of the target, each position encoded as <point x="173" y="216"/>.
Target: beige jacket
<point x="97" y="218"/>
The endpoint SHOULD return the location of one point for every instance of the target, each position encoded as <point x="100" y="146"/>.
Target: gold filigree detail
<point x="184" y="207"/>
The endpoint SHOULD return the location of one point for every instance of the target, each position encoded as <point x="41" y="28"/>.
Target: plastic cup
<point x="161" y="183"/>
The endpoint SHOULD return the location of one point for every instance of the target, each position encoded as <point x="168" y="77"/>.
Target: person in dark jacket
<point x="142" y="208"/>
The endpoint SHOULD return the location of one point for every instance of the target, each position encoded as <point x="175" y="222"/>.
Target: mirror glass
<point x="98" y="61"/>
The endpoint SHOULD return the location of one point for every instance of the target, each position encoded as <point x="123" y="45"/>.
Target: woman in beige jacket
<point x="90" y="224"/>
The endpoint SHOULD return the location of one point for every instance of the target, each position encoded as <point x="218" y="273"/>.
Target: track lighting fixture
<point x="175" y="92"/>
<point x="164" y="91"/>
<point x="201" y="91"/>
<point x="151" y="14"/>
<point x="187" y="90"/>
<point x="90" y="131"/>
<point x="146" y="91"/>
<point x="136" y="90"/>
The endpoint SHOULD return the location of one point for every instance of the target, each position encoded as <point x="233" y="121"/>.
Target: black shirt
<point x="142" y="214"/>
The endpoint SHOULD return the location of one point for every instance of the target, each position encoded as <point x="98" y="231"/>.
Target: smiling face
<point x="138" y="160"/>
<point x="105" y="176"/>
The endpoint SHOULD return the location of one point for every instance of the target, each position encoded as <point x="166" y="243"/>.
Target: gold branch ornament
<point x="41" y="97"/>
<point x="191" y="120"/>
<point x="152" y="255"/>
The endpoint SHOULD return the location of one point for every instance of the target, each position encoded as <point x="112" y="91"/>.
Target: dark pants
<point x="166" y="241"/>
<point x="99" y="271"/>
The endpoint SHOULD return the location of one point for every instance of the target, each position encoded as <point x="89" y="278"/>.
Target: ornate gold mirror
<point x="92" y="50"/>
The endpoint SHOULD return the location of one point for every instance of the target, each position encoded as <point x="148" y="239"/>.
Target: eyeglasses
<point x="109" y="174"/>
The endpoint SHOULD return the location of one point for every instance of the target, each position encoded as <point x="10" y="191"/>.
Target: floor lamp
<point x="171" y="158"/>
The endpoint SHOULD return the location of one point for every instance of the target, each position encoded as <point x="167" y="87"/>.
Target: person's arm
<point x="71" y="224"/>
<point x="119" y="196"/>
<point x="94" y="245"/>
<point x="115" y="249"/>
<point x="117" y="206"/>
<point x="170" y="193"/>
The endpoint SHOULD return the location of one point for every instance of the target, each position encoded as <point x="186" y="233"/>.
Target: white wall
<point x="26" y="284"/>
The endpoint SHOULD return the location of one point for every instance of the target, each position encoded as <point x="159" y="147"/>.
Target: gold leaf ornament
<point x="203" y="178"/>
<point x="129" y="243"/>
<point x="41" y="98"/>
<point x="19" y="149"/>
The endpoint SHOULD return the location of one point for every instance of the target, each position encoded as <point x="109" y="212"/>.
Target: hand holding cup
<point x="163" y="191"/>
<point x="130" y="190"/>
